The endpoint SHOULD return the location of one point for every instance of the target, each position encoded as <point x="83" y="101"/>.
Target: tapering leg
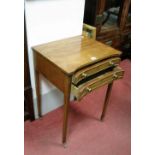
<point x="38" y="94"/>
<point x="66" y="110"/>
<point x="108" y="93"/>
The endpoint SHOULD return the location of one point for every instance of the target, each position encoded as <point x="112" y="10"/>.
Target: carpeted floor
<point x="86" y="134"/>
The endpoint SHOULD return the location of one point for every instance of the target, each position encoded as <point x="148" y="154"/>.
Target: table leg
<point x="38" y="94"/>
<point x="66" y="110"/>
<point x="108" y="93"/>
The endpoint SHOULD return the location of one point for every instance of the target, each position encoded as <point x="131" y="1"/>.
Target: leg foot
<point x="65" y="145"/>
<point x="40" y="116"/>
<point x="101" y="119"/>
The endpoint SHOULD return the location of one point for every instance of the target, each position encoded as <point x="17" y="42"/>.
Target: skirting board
<point x="50" y="101"/>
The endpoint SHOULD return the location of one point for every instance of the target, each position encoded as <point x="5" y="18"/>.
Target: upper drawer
<point x="93" y="69"/>
<point x="85" y="88"/>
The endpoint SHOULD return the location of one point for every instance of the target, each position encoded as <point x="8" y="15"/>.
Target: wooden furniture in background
<point x="28" y="99"/>
<point x="112" y="19"/>
<point x="76" y="65"/>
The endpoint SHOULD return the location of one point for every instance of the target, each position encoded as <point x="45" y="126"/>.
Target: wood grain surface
<point x="74" y="53"/>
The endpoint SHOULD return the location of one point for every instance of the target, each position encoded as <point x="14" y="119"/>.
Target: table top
<point x="74" y="53"/>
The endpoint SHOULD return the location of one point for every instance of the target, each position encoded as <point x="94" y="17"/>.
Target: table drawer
<point x="93" y="69"/>
<point x="85" y="88"/>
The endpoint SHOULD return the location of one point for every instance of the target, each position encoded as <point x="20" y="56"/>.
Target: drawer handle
<point x="84" y="75"/>
<point x="115" y="76"/>
<point x="112" y="64"/>
<point x="88" y="89"/>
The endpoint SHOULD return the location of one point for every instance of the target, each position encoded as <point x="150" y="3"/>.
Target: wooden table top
<point x="74" y="53"/>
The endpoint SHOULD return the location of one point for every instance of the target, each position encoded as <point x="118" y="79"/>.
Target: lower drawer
<point x="85" y="88"/>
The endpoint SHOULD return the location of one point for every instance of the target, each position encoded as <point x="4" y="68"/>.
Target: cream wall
<point x="50" y="20"/>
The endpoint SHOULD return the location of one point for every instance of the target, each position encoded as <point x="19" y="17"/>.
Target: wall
<point x="50" y="20"/>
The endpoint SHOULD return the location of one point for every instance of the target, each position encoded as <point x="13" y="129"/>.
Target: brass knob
<point x="88" y="89"/>
<point x="112" y="63"/>
<point x="115" y="76"/>
<point x="84" y="75"/>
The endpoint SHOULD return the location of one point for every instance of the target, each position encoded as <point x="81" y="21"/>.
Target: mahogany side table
<point x="76" y="65"/>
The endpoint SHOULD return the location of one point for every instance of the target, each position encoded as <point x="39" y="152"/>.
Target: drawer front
<point x="86" y="72"/>
<point x="82" y="90"/>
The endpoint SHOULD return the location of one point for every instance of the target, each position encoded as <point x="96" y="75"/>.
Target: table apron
<point x="51" y="72"/>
